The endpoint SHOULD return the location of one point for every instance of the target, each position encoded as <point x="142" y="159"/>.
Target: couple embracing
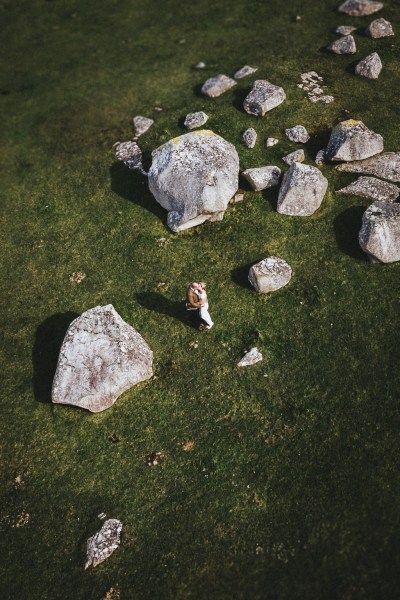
<point x="197" y="302"/>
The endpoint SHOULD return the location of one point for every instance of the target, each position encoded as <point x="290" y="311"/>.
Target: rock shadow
<point x="46" y="349"/>
<point x="239" y="94"/>
<point x="347" y="226"/>
<point x="271" y="194"/>
<point x="240" y="274"/>
<point x="159" y="303"/>
<point x="351" y="67"/>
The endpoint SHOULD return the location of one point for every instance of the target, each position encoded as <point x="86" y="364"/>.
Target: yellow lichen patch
<point x="350" y="122"/>
<point x="207" y="132"/>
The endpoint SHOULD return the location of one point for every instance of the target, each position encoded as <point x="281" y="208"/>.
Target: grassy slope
<point x="296" y="456"/>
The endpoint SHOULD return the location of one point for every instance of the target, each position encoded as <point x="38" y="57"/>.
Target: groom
<point x="193" y="304"/>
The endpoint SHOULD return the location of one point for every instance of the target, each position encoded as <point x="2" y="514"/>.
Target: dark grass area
<point x="292" y="488"/>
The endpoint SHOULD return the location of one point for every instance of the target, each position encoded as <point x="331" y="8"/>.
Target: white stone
<point x="195" y="119"/>
<point x="251" y="357"/>
<point x="261" y="178"/>
<point x="270" y="274"/>
<point x="245" y="72"/>
<point x="370" y="66"/>
<point x="296" y="156"/>
<point x="263" y="97"/>
<point x="271" y="142"/>
<point x="345" y="29"/>
<point x="352" y="140"/>
<point x="130" y="154"/>
<point x="379" y="236"/>
<point x="372" y="188"/>
<point x="215" y="86"/>
<point x="344" y="45"/>
<point x="141" y="124"/>
<point x="103" y="543"/>
<point x="360" y="8"/>
<point x="200" y="65"/>
<point x="302" y="191"/>
<point x="250" y="137"/>
<point x="298" y="133"/>
<point x="379" y="28"/>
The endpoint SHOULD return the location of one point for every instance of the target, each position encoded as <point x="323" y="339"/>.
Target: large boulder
<point x="263" y="97"/>
<point x="352" y="140"/>
<point x="215" y="86"/>
<point x="302" y="191"/>
<point x="103" y="543"/>
<point x="193" y="177"/>
<point x="379" y="28"/>
<point x="261" y="178"/>
<point x="372" y="188"/>
<point x="370" y="67"/>
<point x="270" y="274"/>
<point x="385" y="166"/>
<point x="360" y="8"/>
<point x="100" y="358"/>
<point x="380" y="232"/>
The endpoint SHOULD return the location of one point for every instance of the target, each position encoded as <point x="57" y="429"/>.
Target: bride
<point x="204" y="314"/>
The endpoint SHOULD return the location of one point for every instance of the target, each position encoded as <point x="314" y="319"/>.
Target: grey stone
<point x="302" y="191"/>
<point x="360" y="8"/>
<point x="369" y="67"/>
<point x="100" y="358"/>
<point x="379" y="28"/>
<point x="263" y="97"/>
<point x="344" y="45"/>
<point x="261" y="178"/>
<point x="238" y="198"/>
<point x="200" y="65"/>
<point x="251" y="357"/>
<point x="320" y="158"/>
<point x="372" y="188"/>
<point x="270" y="274"/>
<point x="196" y="119"/>
<point x="245" y="72"/>
<point x="296" y="156"/>
<point x="352" y="140"/>
<point x="379" y="236"/>
<point x="271" y="142"/>
<point x="141" y="124"/>
<point x="312" y="83"/>
<point x="385" y="166"/>
<point x="193" y="177"/>
<point x="297" y="134"/>
<point x="250" y="137"/>
<point x="345" y="29"/>
<point x="103" y="543"/>
<point x="130" y="154"/>
<point x="215" y="86"/>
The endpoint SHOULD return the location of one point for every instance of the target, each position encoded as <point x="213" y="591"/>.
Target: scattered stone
<point x="158" y="108"/>
<point x="18" y="482"/>
<point x="200" y="65"/>
<point x="370" y="67"/>
<point x="251" y="357"/>
<point x="352" y="140"/>
<point x="162" y="242"/>
<point x="215" y="86"/>
<point x="100" y="358"/>
<point x="250" y="137"/>
<point x="112" y="594"/>
<point x="261" y="178"/>
<point x="297" y="134"/>
<point x="296" y="156"/>
<point x="379" y="236"/>
<point x="22" y="520"/>
<point x="271" y="142"/>
<point x="245" y="71"/>
<point x="360" y="8"/>
<point x="379" y="28"/>
<point x="345" y="29"/>
<point x="155" y="459"/>
<point x="298" y="18"/>
<point x="302" y="191"/>
<point x="130" y="154"/>
<point x="372" y="188"/>
<point x="193" y="177"/>
<point x="77" y="276"/>
<point x="102" y="516"/>
<point x="320" y="158"/>
<point x="238" y="198"/>
<point x="325" y="99"/>
<point x="188" y="445"/>
<point x="141" y="124"/>
<point x="385" y="166"/>
<point x="270" y="274"/>
<point x="311" y="83"/>
<point x="103" y="543"/>
<point x="344" y="45"/>
<point x="196" y="119"/>
<point x="263" y="97"/>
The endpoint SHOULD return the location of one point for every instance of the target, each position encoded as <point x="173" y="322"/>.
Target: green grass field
<point x="291" y="488"/>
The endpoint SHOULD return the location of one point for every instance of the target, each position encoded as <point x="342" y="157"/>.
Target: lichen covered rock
<point x="372" y="188"/>
<point x="370" y="66"/>
<point x="360" y="8"/>
<point x="103" y="543"/>
<point x="270" y="274"/>
<point x="261" y="178"/>
<point x="385" y="166"/>
<point x="196" y="119"/>
<point x="302" y="191"/>
<point x="379" y="236"/>
<point x="379" y="28"/>
<point x="250" y="137"/>
<point x="215" y="86"/>
<point x="352" y="140"/>
<point x="344" y="45"/>
<point x="263" y="97"/>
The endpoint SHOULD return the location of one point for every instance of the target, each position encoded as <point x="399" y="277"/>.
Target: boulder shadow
<point x="239" y="94"/>
<point x="239" y="275"/>
<point x="46" y="349"/>
<point x="347" y="226"/>
<point x="159" y="303"/>
<point x="272" y="194"/>
<point x="351" y="67"/>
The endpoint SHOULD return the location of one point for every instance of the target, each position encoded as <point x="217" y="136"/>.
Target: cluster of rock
<point x="312" y="84"/>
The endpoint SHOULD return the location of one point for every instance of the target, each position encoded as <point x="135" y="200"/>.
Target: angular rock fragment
<point x="344" y="45"/>
<point x="345" y="29"/>
<point x="196" y="119"/>
<point x="269" y="142"/>
<point x="263" y="97"/>
<point x="261" y="178"/>
<point x="320" y="158"/>
<point x="245" y="71"/>
<point x="369" y="67"/>
<point x="215" y="86"/>
<point x="141" y="124"/>
<point x="372" y="188"/>
<point x="296" y="156"/>
<point x="238" y="198"/>
<point x="297" y="134"/>
<point x="379" y="28"/>
<point x="251" y="357"/>
<point x="103" y="543"/>
<point x="131" y="155"/>
<point x="360" y="8"/>
<point x="302" y="191"/>
<point x="352" y="140"/>
<point x="270" y="274"/>
<point x="250" y="137"/>
<point x="385" y="166"/>
<point x="379" y="236"/>
<point x="100" y="358"/>
<point x="193" y="177"/>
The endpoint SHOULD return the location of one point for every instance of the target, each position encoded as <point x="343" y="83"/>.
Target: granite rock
<point x="296" y="156"/>
<point x="352" y="140"/>
<point x="141" y="124"/>
<point x="369" y="67"/>
<point x="261" y="178"/>
<point x="270" y="274"/>
<point x="372" y="188"/>
<point x="250" y="137"/>
<point x="379" y="28"/>
<point x="215" y="86"/>
<point x="379" y="236"/>
<point x="196" y="119"/>
<point x="302" y="191"/>
<point x="103" y="543"/>
<point x="130" y="154"/>
<point x="344" y="45"/>
<point x="245" y="72"/>
<point x="269" y="142"/>
<point x="297" y="134"/>
<point x="263" y="97"/>
<point x="360" y="8"/>
<point x="345" y="29"/>
<point x="251" y="357"/>
<point x="385" y="166"/>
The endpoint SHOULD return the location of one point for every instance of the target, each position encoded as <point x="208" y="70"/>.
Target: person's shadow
<point x="161" y="304"/>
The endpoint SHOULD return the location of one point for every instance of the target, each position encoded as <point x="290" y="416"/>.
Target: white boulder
<point x="372" y="188"/>
<point x="352" y="140"/>
<point x="302" y="191"/>
<point x="296" y="156"/>
<point x="370" y="66"/>
<point x="344" y="45"/>
<point x="298" y="133"/>
<point x="263" y="97"/>
<point x="385" y="166"/>
<point x="379" y="236"/>
<point x="250" y="137"/>
<point x="195" y="119"/>
<point x="245" y="72"/>
<point x="270" y="274"/>
<point x="379" y="28"/>
<point x="141" y="124"/>
<point x="261" y="178"/>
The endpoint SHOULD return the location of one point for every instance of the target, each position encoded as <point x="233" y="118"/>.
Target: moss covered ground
<point x="280" y="481"/>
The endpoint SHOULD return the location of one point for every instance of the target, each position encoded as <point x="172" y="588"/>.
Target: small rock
<point x="370" y="67"/>
<point x="77" y="277"/>
<point x="352" y="140"/>
<point x="320" y="158"/>
<point x="245" y="71"/>
<point x="379" y="236"/>
<point x="101" y="545"/>
<point x="302" y="191"/>
<point x="141" y="124"/>
<point x="360" y="8"/>
<point x="112" y="594"/>
<point x="196" y="119"/>
<point x="379" y="28"/>
<point x="385" y="166"/>
<point x="250" y="137"/>
<point x="251" y="357"/>
<point x="270" y="274"/>
<point x="326" y="99"/>
<point x="200" y="65"/>
<point x="344" y="45"/>
<point x="372" y="188"/>
<point x="345" y="29"/>
<point x="297" y="134"/>
<point x="263" y="97"/>
<point x="158" y="108"/>
<point x="271" y="142"/>
<point x="155" y="459"/>
<point x="296" y="156"/>
<point x="261" y="178"/>
<point x="22" y="520"/>
<point x="130" y="154"/>
<point x="215" y="86"/>
<point x="238" y="198"/>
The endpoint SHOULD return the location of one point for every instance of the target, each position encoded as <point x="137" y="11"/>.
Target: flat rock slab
<point x="196" y="119"/>
<point x="193" y="177"/>
<point x="370" y="66"/>
<point x="103" y="543"/>
<point x="302" y="191"/>
<point x="385" y="166"/>
<point x="100" y="358"/>
<point x="250" y="137"/>
<point x="245" y="72"/>
<point x="360" y="8"/>
<point x="270" y="274"/>
<point x="298" y="134"/>
<point x="141" y="124"/>
<point x="263" y="97"/>
<point x="296" y="156"/>
<point x="352" y="140"/>
<point x="372" y="188"/>
<point x="379" y="236"/>
<point x="379" y="28"/>
<point x="344" y="45"/>
<point x="261" y="178"/>
<point x="215" y="86"/>
<point x="251" y="357"/>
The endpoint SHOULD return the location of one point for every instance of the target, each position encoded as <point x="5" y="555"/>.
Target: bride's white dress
<point x="204" y="314"/>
